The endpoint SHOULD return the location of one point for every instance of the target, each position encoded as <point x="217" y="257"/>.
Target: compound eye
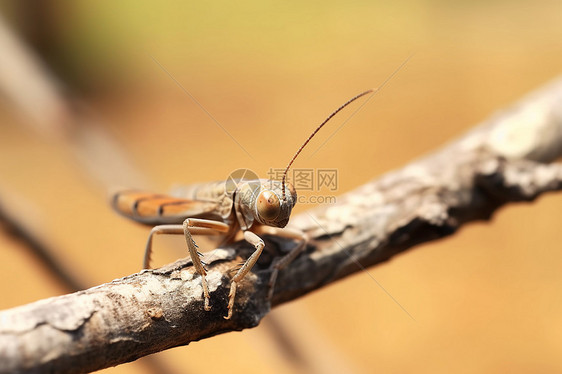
<point x="268" y="205"/>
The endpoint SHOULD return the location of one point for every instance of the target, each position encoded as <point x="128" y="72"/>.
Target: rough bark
<point x="507" y="158"/>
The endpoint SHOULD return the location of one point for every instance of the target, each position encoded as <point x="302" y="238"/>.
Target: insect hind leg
<point x="190" y="226"/>
<point x="161" y="229"/>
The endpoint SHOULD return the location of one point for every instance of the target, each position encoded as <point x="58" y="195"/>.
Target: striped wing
<point x="155" y="209"/>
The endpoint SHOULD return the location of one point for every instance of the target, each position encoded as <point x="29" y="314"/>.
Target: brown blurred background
<point x="485" y="300"/>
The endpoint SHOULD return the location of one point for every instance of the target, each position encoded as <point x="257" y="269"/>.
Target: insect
<point x="253" y="206"/>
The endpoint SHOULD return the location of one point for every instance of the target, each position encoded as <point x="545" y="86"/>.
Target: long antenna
<point x="318" y="129"/>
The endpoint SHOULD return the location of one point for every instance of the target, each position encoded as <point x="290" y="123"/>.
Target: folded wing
<point x="156" y="209"/>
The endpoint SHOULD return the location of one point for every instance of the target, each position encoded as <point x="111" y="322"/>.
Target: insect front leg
<point x="191" y="226"/>
<point x="258" y="243"/>
<point x="280" y="263"/>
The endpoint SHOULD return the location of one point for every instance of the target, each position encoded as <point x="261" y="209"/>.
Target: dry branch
<point x="505" y="159"/>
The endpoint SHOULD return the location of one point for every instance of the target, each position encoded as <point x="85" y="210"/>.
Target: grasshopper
<point x="253" y="206"/>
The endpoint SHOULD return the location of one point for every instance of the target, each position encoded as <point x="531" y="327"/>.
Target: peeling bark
<point x="506" y="159"/>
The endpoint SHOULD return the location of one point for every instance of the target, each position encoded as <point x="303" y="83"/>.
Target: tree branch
<point x="505" y="159"/>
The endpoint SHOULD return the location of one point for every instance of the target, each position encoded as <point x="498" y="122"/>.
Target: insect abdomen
<point x="151" y="208"/>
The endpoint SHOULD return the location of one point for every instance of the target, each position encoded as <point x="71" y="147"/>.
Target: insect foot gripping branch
<point x="241" y="203"/>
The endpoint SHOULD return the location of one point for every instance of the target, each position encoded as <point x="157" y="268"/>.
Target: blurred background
<point x="90" y="101"/>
